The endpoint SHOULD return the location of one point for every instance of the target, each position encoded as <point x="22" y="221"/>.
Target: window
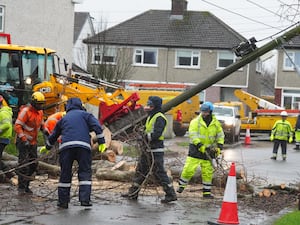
<point x="225" y="58"/>
<point x="1" y="19"/>
<point x="188" y="58"/>
<point x="290" y="60"/>
<point x="97" y="55"/>
<point x="145" y="57"/>
<point x="105" y="54"/>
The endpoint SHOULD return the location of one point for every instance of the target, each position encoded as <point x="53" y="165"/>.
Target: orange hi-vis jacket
<point x="52" y="120"/>
<point x="28" y="124"/>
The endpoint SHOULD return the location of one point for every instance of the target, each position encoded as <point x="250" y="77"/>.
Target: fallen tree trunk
<point x="42" y="166"/>
<point x="116" y="175"/>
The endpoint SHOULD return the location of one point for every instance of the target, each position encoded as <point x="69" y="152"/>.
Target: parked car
<point x="230" y="119"/>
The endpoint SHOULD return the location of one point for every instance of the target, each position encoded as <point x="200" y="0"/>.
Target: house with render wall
<point x="40" y="23"/>
<point x="83" y="28"/>
<point x="287" y="75"/>
<point x="175" y="46"/>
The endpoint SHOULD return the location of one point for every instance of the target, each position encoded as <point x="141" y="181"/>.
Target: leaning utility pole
<point x="231" y="68"/>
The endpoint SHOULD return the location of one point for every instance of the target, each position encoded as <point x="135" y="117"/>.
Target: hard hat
<point x="38" y="98"/>
<point x="283" y="113"/>
<point x="207" y="106"/>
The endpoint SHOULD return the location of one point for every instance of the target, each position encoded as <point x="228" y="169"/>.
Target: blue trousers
<point x="66" y="158"/>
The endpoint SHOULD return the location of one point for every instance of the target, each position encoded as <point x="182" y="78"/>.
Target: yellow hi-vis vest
<point x="150" y="124"/>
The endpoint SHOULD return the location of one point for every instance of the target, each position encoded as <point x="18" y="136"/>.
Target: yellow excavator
<point x="25" y="69"/>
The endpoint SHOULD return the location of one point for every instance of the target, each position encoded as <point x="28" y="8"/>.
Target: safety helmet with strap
<point x="37" y="100"/>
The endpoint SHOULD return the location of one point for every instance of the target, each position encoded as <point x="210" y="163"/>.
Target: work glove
<point x="201" y="147"/>
<point x="290" y="139"/>
<point x="102" y="147"/>
<point x="44" y="150"/>
<point x="272" y="138"/>
<point x="213" y="152"/>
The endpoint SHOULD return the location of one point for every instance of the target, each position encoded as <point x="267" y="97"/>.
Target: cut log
<point x="116" y="146"/>
<point x="6" y="156"/>
<point x="52" y="170"/>
<point x="116" y="175"/>
<point x="107" y="137"/>
<point x="266" y="193"/>
<point x="107" y="155"/>
<point x="119" y="165"/>
<point x="48" y="168"/>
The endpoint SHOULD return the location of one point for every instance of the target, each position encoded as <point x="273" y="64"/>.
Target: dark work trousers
<point x="2" y="165"/>
<point x="283" y="145"/>
<point x="27" y="154"/>
<point x="158" y="170"/>
<point x="66" y="158"/>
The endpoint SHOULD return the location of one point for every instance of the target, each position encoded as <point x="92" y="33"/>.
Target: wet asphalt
<point x="148" y="209"/>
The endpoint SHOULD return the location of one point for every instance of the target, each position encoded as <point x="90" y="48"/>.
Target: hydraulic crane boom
<point x="232" y="68"/>
<point x="254" y="102"/>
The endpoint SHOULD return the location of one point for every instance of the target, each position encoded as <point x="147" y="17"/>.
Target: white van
<point x="230" y="119"/>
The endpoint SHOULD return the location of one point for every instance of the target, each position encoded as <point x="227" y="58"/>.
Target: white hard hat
<point x="283" y="113"/>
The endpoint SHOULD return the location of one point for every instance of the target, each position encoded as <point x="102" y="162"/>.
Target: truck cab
<point x="230" y="120"/>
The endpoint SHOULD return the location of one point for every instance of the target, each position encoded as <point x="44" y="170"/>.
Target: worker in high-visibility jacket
<point x="152" y="155"/>
<point x="27" y="126"/>
<point x="281" y="133"/>
<point x="297" y="134"/>
<point x="49" y="126"/>
<point x="206" y="142"/>
<point x="51" y="122"/>
<point x="5" y="132"/>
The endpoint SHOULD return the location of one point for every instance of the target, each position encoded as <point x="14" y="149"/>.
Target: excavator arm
<point x="117" y="109"/>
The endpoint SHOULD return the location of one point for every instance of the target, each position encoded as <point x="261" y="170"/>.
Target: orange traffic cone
<point x="248" y="136"/>
<point x="229" y="211"/>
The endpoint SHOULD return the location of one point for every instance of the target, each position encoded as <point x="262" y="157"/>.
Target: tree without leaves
<point x="109" y="68"/>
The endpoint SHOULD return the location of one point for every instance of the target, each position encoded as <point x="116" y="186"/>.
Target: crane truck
<point x="263" y="114"/>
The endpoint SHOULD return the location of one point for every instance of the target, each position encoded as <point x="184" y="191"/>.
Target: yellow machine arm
<point x="253" y="101"/>
<point x="90" y="91"/>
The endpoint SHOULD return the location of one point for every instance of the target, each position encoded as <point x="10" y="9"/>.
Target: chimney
<point x="178" y="9"/>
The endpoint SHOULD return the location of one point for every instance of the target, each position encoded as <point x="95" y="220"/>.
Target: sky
<point x="261" y="19"/>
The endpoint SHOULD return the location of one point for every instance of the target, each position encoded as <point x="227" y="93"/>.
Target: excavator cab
<point x="21" y="67"/>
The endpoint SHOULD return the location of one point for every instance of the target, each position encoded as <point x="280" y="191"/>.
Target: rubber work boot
<point x="180" y="189"/>
<point x="86" y="203"/>
<point x="63" y="205"/>
<point x="132" y="193"/>
<point x="170" y="194"/>
<point x="28" y="191"/>
<point x="297" y="147"/>
<point x="273" y="157"/>
<point x="208" y="196"/>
